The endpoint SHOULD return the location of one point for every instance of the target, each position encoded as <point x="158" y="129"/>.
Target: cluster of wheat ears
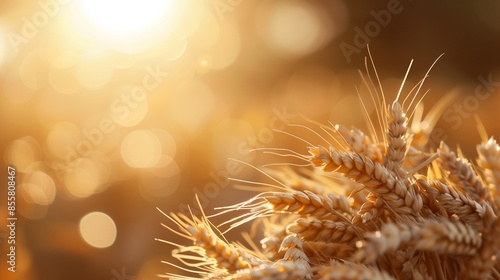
<point x="384" y="206"/>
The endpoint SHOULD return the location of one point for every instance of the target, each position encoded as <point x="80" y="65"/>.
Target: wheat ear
<point x="389" y="238"/>
<point x="360" y="143"/>
<point x="460" y="204"/>
<point x="461" y="174"/>
<point x="396" y="137"/>
<point x="368" y="212"/>
<point x="295" y="202"/>
<point x="489" y="154"/>
<point x="212" y="250"/>
<point x="481" y="265"/>
<point x="294" y="265"/>
<point x="274" y="234"/>
<point x="306" y="202"/>
<point x="443" y="237"/>
<point x="446" y="237"/>
<point x="400" y="198"/>
<point x="313" y="229"/>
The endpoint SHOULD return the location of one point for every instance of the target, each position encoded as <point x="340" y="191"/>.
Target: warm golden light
<point x="40" y="188"/>
<point x="94" y="71"/>
<point x="192" y="104"/>
<point x="125" y="17"/>
<point x="98" y="230"/>
<point x="141" y="149"/>
<point x="126" y="106"/>
<point x="297" y="28"/>
<point x="82" y="180"/>
<point x="22" y="152"/>
<point x="61" y="73"/>
<point x="2" y="46"/>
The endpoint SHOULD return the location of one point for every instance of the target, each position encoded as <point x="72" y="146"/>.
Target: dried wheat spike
<point x="390" y="237"/>
<point x="445" y="237"/>
<point x="360" y="143"/>
<point x="313" y="229"/>
<point x="280" y="270"/>
<point x="294" y="265"/>
<point x="400" y="198"/>
<point x="480" y="266"/>
<point x="407" y="264"/>
<point x="368" y="212"/>
<point x="340" y="271"/>
<point x="460" y="204"/>
<point x="214" y="253"/>
<point x="489" y="155"/>
<point x="461" y="174"/>
<point x="306" y="202"/>
<point x="292" y="245"/>
<point x="396" y="137"/>
<point x="274" y="234"/>
<point x="225" y="254"/>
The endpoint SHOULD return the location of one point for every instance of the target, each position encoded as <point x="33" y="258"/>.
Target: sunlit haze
<point x="125" y="17"/>
<point x="110" y="109"/>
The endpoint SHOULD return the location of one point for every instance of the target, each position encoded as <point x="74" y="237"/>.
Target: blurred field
<point x="110" y="109"/>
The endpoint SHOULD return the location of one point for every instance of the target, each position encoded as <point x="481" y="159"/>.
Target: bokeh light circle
<point x="98" y="230"/>
<point x="83" y="180"/>
<point x="40" y="188"/>
<point x="141" y="149"/>
<point x="61" y="140"/>
<point x="22" y="152"/>
<point x="297" y="28"/>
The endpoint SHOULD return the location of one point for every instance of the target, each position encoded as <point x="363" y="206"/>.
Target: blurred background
<point x="109" y="109"/>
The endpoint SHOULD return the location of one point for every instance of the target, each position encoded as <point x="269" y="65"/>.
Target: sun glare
<point x="125" y="17"/>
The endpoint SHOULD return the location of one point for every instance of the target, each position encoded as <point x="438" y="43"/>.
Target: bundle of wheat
<point x="406" y="211"/>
